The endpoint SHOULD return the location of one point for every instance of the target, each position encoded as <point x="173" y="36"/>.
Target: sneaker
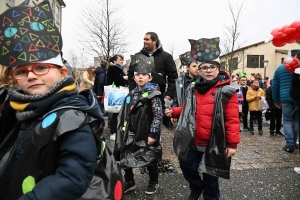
<point x="279" y="133"/>
<point x="194" y="196"/>
<point x="296" y="146"/>
<point x="113" y="137"/>
<point x="297" y="170"/>
<point x="260" y="132"/>
<point x="129" y="186"/>
<point x="151" y="188"/>
<point x="289" y="149"/>
<point x="272" y="133"/>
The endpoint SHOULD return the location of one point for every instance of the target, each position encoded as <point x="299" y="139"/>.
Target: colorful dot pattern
<point x="205" y="49"/>
<point x="28" y="34"/>
<point x="186" y="58"/>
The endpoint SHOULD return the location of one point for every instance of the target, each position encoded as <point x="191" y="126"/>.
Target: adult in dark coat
<point x="164" y="72"/>
<point x="100" y="82"/>
<point x="165" y="68"/>
<point x="276" y="113"/>
<point x="116" y="75"/>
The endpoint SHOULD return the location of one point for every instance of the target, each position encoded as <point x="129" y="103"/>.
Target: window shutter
<point x="261" y="59"/>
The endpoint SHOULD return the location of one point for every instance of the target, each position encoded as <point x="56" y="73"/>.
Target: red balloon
<point x="284" y="28"/>
<point x="277" y="36"/>
<point x="284" y="37"/>
<point x="289" y="31"/>
<point x="297" y="36"/>
<point x="275" y="31"/>
<point x="278" y="43"/>
<point x="297" y="27"/>
<point x="295" y="23"/>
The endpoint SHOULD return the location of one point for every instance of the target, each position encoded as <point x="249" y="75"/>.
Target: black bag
<point x="216" y="161"/>
<point x="107" y="180"/>
<point x="268" y="114"/>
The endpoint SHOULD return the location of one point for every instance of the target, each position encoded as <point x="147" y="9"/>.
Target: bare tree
<point x="73" y="58"/>
<point x="231" y="42"/>
<point x="103" y="29"/>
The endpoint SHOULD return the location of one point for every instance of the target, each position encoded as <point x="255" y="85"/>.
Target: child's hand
<point x="230" y="152"/>
<point x="150" y="140"/>
<point x="168" y="112"/>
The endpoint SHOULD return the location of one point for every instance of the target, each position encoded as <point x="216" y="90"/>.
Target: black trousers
<point x="258" y="116"/>
<point x="275" y="120"/>
<point x="113" y="123"/>
<point x="153" y="174"/>
<point x="245" y="110"/>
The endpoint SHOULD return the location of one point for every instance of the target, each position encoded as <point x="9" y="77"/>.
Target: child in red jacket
<point x="204" y="91"/>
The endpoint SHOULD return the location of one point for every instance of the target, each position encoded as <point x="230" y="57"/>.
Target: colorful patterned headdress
<point x="28" y="35"/>
<point x="205" y="49"/>
<point x="186" y="58"/>
<point x="142" y="64"/>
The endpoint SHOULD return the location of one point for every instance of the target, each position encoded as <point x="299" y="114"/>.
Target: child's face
<point x="142" y="79"/>
<point x="193" y="69"/>
<point x="40" y="79"/>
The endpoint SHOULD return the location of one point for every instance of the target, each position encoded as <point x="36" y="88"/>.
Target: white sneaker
<point x="113" y="137"/>
<point x="297" y="170"/>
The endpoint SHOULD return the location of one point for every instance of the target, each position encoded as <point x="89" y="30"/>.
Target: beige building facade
<point x="250" y="59"/>
<point x="56" y="5"/>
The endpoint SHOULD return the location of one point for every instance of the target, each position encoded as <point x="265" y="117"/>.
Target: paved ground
<point x="260" y="170"/>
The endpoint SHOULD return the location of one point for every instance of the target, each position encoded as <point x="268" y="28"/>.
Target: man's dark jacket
<point x="100" y="81"/>
<point x="164" y="67"/>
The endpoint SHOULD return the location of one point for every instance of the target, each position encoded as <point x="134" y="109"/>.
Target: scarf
<point x="202" y="87"/>
<point x="30" y="106"/>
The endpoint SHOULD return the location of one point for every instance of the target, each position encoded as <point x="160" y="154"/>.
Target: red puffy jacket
<point x="204" y="116"/>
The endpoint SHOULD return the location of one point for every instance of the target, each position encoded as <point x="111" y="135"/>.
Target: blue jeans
<point x="209" y="184"/>
<point x="290" y="123"/>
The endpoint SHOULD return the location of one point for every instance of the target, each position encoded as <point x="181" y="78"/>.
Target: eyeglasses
<point x="38" y="69"/>
<point x="211" y="68"/>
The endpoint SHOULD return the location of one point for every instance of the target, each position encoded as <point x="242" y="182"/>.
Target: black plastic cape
<point x="215" y="161"/>
<point x="133" y="128"/>
<point x="107" y="180"/>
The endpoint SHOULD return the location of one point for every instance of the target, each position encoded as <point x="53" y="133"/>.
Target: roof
<point x="256" y="44"/>
<point x="281" y="51"/>
<point x="246" y="47"/>
<point x="62" y="3"/>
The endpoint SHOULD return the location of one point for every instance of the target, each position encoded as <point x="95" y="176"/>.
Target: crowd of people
<point x="51" y="127"/>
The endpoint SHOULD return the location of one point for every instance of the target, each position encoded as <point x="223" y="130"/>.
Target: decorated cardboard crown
<point x="28" y="35"/>
<point x="205" y="49"/>
<point x="186" y="58"/>
<point x="142" y="64"/>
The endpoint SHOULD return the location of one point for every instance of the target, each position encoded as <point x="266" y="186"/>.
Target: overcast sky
<point x="176" y="21"/>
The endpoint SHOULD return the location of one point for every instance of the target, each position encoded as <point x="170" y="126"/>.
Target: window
<point x="282" y="60"/>
<point x="10" y="2"/>
<point x="233" y="64"/>
<point x="255" y="61"/>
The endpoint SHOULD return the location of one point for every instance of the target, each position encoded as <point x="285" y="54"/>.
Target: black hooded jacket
<point x="164" y="72"/>
<point x="100" y="81"/>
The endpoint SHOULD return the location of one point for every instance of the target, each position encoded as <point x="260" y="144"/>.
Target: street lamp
<point x="266" y="62"/>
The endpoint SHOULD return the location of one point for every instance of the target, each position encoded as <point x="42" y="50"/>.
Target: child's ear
<point x="150" y="78"/>
<point x="64" y="71"/>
